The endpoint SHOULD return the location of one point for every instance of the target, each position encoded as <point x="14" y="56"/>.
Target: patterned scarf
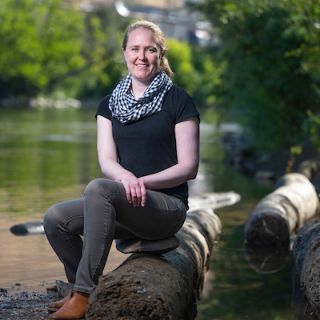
<point x="126" y="108"/>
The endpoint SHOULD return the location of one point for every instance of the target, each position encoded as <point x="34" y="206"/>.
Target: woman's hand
<point x="108" y="159"/>
<point x="135" y="190"/>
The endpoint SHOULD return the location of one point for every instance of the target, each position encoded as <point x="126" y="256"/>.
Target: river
<point x="47" y="156"/>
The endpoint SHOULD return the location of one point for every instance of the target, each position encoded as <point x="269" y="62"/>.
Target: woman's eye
<point x="152" y="50"/>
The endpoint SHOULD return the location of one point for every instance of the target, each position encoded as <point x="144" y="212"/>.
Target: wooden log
<point x="27" y="228"/>
<point x="160" y="287"/>
<point x="213" y="200"/>
<point x="282" y="212"/>
<point x="306" y="253"/>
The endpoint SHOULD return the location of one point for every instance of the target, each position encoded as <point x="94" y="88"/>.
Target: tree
<point x="39" y="42"/>
<point x="50" y="46"/>
<point x="195" y="70"/>
<point x="272" y="64"/>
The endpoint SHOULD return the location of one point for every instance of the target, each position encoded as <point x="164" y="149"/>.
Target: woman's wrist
<point x="124" y="175"/>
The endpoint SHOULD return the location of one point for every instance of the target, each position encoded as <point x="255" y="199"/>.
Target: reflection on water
<point x="243" y="285"/>
<point x="266" y="260"/>
<point x="48" y="156"/>
<point x="238" y="291"/>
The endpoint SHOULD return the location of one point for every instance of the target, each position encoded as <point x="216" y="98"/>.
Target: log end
<point x="267" y="229"/>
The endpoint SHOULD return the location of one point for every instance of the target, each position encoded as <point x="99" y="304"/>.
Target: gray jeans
<point x="104" y="214"/>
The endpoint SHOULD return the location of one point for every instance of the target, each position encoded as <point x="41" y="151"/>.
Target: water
<point x="48" y="156"/>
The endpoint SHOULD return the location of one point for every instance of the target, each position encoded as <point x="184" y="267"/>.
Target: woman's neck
<point x="138" y="88"/>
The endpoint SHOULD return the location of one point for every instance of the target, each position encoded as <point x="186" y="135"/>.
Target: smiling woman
<point x="142" y="57"/>
<point x="148" y="149"/>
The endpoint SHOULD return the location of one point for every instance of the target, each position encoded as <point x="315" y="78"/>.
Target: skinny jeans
<point x="81" y="231"/>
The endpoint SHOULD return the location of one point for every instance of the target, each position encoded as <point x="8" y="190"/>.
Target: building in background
<point x="173" y="16"/>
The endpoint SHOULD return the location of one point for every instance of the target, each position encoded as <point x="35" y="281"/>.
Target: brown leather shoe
<point x="74" y="308"/>
<point x="58" y="304"/>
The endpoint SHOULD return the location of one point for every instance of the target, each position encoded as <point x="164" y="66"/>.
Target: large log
<point x="282" y="212"/>
<point x="306" y="252"/>
<point x="162" y="287"/>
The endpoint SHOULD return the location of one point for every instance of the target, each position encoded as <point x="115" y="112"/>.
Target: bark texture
<point x="160" y="287"/>
<point x="282" y="212"/>
<point x="306" y="252"/>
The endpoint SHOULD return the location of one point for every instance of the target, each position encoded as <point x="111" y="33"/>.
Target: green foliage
<point x="109" y="65"/>
<point x="51" y="47"/>
<point x="208" y="82"/>
<point x="312" y="128"/>
<point x="271" y="50"/>
<point x="39" y="43"/>
<point x="180" y="58"/>
<point x="196" y="71"/>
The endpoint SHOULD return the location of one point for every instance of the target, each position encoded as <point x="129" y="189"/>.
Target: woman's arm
<point x="108" y="160"/>
<point x="187" y="142"/>
<point x="107" y="151"/>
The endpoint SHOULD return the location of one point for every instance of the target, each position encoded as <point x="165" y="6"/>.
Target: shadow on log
<point x="160" y="287"/>
<point x="282" y="212"/>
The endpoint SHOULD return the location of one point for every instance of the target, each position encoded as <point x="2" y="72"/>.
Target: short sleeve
<point x="103" y="108"/>
<point x="182" y="105"/>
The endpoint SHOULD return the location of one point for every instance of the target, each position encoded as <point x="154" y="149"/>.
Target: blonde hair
<point x="159" y="39"/>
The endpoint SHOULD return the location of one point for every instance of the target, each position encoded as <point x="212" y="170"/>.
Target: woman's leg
<point x="107" y="213"/>
<point x="63" y="224"/>
<point x="105" y="208"/>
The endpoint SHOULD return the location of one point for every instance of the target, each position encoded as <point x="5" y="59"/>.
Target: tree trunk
<point x="160" y="287"/>
<point x="282" y="212"/>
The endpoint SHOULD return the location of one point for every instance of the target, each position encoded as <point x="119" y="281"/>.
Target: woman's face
<point x="142" y="55"/>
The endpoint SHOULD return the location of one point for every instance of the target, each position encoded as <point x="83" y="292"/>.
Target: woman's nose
<point x="142" y="54"/>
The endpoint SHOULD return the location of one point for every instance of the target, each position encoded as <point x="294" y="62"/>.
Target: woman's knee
<point x="101" y="186"/>
<point x="53" y="218"/>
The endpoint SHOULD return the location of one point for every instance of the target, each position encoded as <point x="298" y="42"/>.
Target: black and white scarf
<point x="126" y="108"/>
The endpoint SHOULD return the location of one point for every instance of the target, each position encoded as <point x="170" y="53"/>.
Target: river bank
<point x="29" y="300"/>
<point x="20" y="304"/>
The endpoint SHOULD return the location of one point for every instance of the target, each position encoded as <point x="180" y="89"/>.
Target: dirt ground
<point x="17" y="304"/>
<point x="30" y="300"/>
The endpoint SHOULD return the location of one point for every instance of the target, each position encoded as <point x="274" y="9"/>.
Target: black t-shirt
<point x="148" y="145"/>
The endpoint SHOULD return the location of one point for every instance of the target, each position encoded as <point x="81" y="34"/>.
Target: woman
<point x="147" y="139"/>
